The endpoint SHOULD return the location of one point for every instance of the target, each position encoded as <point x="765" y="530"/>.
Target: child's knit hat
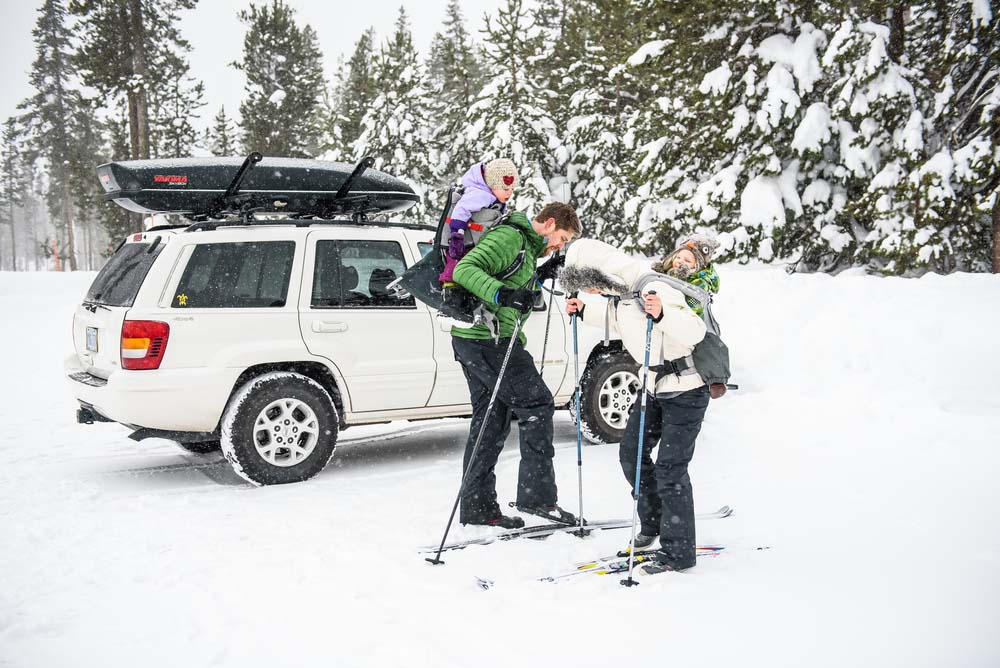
<point x="702" y="246"/>
<point x="500" y="174"/>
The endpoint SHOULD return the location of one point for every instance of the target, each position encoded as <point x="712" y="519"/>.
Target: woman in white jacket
<point x="677" y="402"/>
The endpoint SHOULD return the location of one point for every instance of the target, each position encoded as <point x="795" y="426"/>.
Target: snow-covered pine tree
<point x="808" y="132"/>
<point x="509" y="117"/>
<point x="954" y="190"/>
<point x="34" y="212"/>
<point x="554" y="51"/>
<point x="123" y="43"/>
<point x="332" y="145"/>
<point x="114" y="219"/>
<point x="175" y="106"/>
<point x="12" y="186"/>
<point x="49" y="113"/>
<point x="455" y="76"/>
<point x="283" y="65"/>
<point x="601" y="97"/>
<point x="876" y="117"/>
<point x="356" y="92"/>
<point x="395" y="128"/>
<point x="86" y="152"/>
<point x="720" y="145"/>
<point x="220" y="138"/>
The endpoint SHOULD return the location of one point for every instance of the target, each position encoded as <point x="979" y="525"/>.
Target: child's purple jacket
<point x="477" y="196"/>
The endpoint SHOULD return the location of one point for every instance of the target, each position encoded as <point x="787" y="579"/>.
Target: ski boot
<point x="552" y="513"/>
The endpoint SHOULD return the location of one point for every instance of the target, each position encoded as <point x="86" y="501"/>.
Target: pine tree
<point x="958" y="48"/>
<point x="114" y="219"/>
<point x="395" y="129"/>
<point x="455" y="76"/>
<point x="600" y="95"/>
<point x="175" y="107"/>
<point x="84" y="187"/>
<point x="356" y="92"/>
<point x="13" y="183"/>
<point x="50" y="110"/>
<point x="332" y="146"/>
<point x="283" y="65"/>
<point x="820" y="133"/>
<point x="509" y="117"/>
<point x="124" y="43"/>
<point x="221" y="137"/>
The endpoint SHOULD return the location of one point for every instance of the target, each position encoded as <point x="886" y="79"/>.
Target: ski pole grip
<point x="651" y="292"/>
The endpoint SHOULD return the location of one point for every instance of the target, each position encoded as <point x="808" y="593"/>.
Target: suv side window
<point x="236" y="275"/>
<point x="354" y="274"/>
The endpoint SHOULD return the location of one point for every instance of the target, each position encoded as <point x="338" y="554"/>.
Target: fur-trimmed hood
<point x="595" y="265"/>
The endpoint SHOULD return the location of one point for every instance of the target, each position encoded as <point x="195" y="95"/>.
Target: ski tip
<point x="484" y="584"/>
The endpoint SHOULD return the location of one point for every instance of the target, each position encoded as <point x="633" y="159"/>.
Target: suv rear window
<point x="236" y="275"/>
<point x="119" y="280"/>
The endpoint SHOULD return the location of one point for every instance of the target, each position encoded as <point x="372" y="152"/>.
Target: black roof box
<point x="202" y="188"/>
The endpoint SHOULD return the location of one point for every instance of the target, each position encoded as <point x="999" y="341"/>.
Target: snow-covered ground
<point x="861" y="448"/>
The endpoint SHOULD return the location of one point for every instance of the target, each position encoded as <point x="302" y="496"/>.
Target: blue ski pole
<point x="579" y="426"/>
<point x="630" y="582"/>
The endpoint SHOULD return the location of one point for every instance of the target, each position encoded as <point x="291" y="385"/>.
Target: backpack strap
<point x="682" y="366"/>
<point x="518" y="262"/>
<point x="701" y="295"/>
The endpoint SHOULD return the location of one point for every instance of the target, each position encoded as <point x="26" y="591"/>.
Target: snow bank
<point x="860" y="448"/>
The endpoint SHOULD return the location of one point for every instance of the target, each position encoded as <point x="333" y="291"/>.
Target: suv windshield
<point x="118" y="282"/>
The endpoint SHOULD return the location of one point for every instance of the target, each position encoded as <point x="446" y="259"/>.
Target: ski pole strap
<point x="682" y="366"/>
<point x="607" y="323"/>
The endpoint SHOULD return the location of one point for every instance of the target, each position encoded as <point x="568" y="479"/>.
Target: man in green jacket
<point x="522" y="391"/>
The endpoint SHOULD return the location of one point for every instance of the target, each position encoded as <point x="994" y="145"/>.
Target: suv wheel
<point x="278" y="428"/>
<point x="608" y="389"/>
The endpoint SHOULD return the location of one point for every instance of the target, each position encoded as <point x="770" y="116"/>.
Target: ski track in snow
<point x="861" y="448"/>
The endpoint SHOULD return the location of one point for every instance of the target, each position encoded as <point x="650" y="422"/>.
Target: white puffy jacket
<point x="673" y="337"/>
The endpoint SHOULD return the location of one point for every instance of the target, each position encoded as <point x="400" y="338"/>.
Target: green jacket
<point x="496" y="251"/>
<point x="706" y="279"/>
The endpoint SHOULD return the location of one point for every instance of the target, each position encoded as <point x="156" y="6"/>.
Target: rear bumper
<point x="167" y="399"/>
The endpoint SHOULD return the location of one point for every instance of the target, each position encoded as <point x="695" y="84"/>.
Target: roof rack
<point x="206" y="189"/>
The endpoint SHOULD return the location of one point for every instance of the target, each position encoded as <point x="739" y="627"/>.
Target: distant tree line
<point x="816" y="134"/>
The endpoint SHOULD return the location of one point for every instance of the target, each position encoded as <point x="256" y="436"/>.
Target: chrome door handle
<point x="323" y="326"/>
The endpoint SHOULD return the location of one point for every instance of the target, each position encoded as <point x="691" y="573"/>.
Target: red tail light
<point x="143" y="343"/>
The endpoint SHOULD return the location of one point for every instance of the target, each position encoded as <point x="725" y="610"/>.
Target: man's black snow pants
<point x="666" y="502"/>
<point x="522" y="392"/>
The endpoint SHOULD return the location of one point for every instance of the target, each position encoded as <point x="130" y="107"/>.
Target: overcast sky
<point x="216" y="37"/>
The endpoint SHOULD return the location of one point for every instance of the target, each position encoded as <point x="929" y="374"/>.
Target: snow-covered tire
<point x="200" y="447"/>
<point x="278" y="428"/>
<point x="608" y="389"/>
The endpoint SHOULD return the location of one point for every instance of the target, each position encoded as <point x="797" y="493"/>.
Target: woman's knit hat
<point x="500" y="174"/>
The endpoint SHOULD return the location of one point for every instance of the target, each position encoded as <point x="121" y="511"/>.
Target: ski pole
<point x="475" y="449"/>
<point x="630" y="582"/>
<point x="579" y="425"/>
<point x="548" y="321"/>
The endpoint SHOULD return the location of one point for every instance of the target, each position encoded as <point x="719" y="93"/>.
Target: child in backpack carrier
<point x="691" y="261"/>
<point x="487" y="185"/>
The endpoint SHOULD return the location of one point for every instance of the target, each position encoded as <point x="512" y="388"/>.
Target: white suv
<point x="271" y="336"/>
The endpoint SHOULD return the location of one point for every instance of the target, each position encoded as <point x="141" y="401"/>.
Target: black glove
<point x="551" y="268"/>
<point x="522" y="299"/>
